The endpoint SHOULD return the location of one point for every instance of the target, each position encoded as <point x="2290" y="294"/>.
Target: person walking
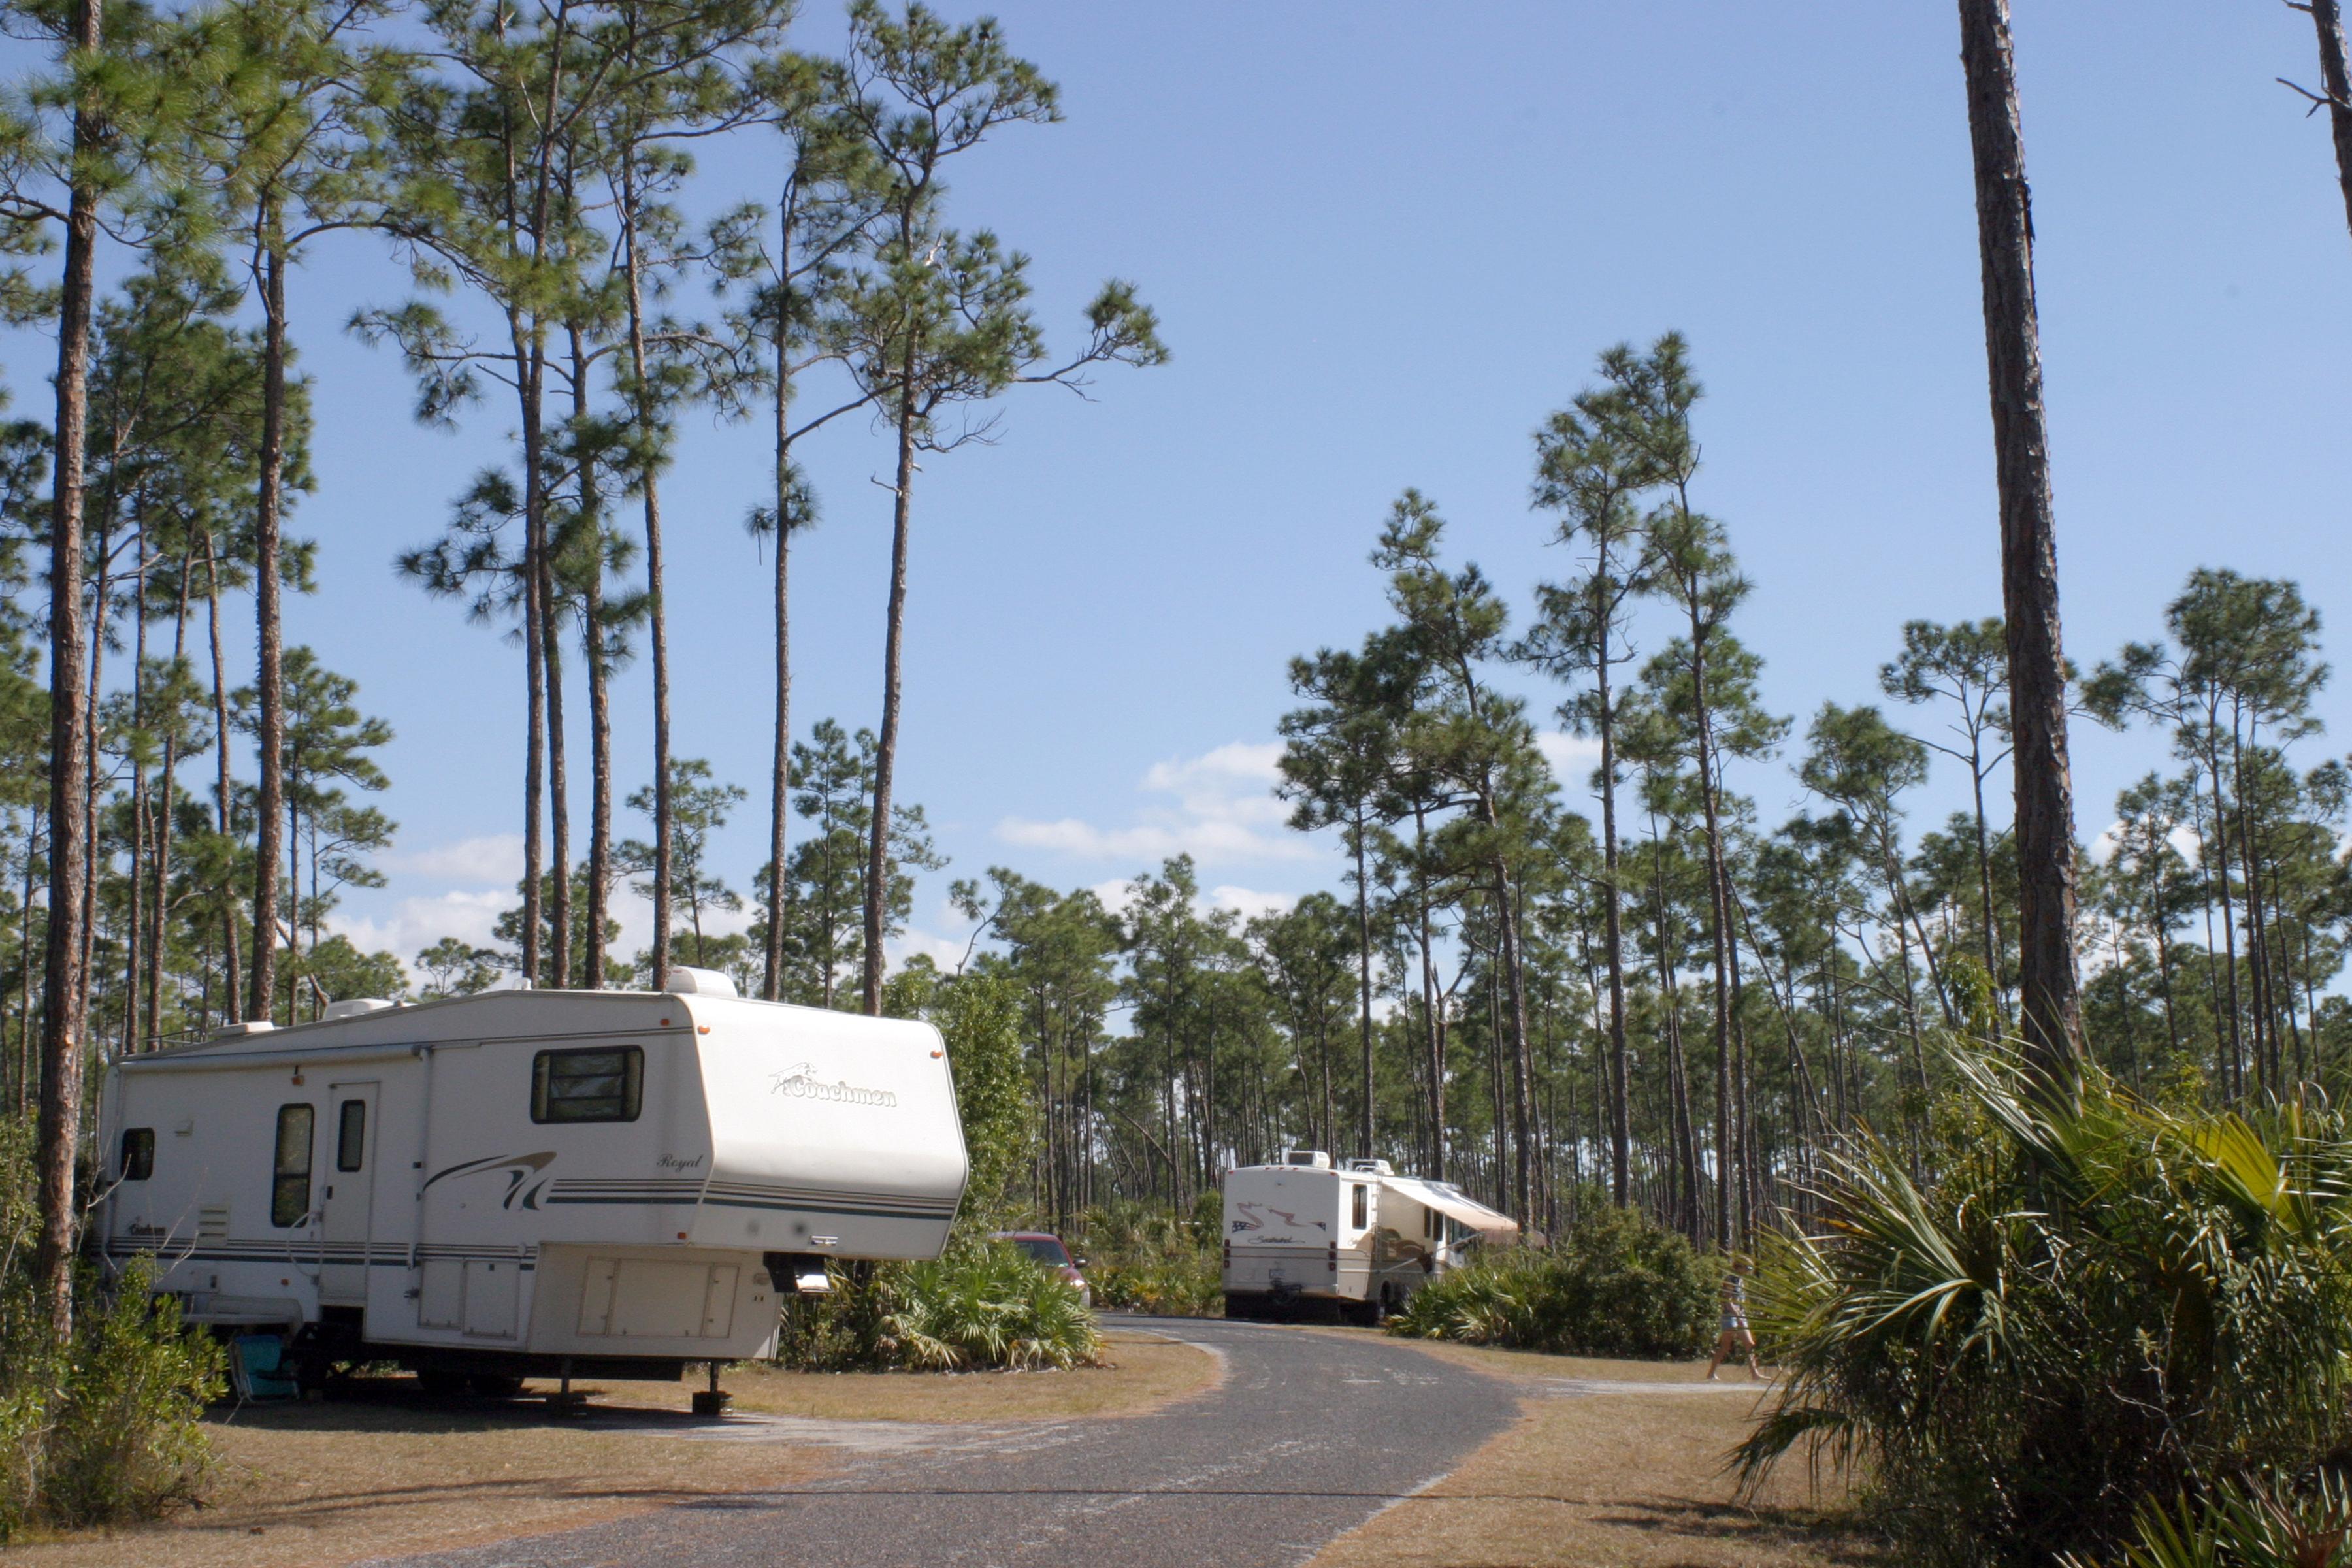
<point x="1732" y="1328"/>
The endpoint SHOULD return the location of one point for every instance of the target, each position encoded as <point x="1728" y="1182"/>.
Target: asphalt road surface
<point x="1308" y="1435"/>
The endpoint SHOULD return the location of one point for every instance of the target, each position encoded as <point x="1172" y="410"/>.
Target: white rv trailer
<point x="530" y="1182"/>
<point x="1303" y="1238"/>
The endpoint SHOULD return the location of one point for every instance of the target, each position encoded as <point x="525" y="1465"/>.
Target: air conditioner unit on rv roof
<point x="1312" y="1159"/>
<point x="683" y="981"/>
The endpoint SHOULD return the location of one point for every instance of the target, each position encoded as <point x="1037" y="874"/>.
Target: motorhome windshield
<point x="1044" y="1249"/>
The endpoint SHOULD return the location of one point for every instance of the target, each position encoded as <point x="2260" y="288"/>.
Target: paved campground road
<point x="1307" y="1436"/>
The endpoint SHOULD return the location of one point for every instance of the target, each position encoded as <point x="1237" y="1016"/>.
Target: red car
<point x="1046" y="1250"/>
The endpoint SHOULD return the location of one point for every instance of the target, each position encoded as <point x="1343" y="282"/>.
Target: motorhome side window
<point x="138" y="1153"/>
<point x="289" y="1188"/>
<point x="1362" y="1214"/>
<point x="603" y="1084"/>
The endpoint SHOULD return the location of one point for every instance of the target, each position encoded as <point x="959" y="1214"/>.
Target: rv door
<point x="346" y="1214"/>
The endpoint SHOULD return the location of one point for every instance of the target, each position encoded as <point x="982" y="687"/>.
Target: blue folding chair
<point x="258" y="1368"/>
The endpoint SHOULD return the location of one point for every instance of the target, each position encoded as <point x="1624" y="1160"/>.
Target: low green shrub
<point x="2097" y="1305"/>
<point x="982" y="1307"/>
<point x="1616" y="1284"/>
<point x="105" y="1428"/>
<point x="1150" y="1260"/>
<point x="2268" y="1522"/>
<point x="125" y="1439"/>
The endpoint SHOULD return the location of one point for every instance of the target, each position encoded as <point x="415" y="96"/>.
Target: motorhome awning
<point x="1454" y="1204"/>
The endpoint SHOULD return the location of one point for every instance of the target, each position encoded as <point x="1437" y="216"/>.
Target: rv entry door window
<point x="350" y="1136"/>
<point x="605" y="1083"/>
<point x="289" y="1189"/>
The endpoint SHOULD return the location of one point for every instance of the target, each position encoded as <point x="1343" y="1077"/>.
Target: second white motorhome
<point x="1304" y="1237"/>
<point x="530" y="1182"/>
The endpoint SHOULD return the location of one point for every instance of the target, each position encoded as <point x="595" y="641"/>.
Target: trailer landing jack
<point x="713" y="1401"/>
<point x="563" y="1400"/>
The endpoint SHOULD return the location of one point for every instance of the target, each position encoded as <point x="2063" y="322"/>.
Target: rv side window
<point x="1362" y="1215"/>
<point x="138" y="1153"/>
<point x="351" y="1137"/>
<point x="290" y="1191"/>
<point x="604" y="1084"/>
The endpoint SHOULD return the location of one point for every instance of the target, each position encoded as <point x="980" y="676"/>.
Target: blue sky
<point x="1384" y="240"/>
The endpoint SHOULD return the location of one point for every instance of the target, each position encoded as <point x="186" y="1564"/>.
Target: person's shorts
<point x="1734" y="1323"/>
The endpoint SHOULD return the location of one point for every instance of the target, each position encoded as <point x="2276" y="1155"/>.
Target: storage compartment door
<point x="718" y="1301"/>
<point x="441" y="1293"/>
<point x="493" y="1291"/>
<point x="658" y="1298"/>
<point x="654" y="1300"/>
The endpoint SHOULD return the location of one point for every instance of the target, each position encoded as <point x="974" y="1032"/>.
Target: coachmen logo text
<point x="801" y="1083"/>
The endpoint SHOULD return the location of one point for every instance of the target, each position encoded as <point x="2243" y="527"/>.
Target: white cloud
<point x="1221" y="810"/>
<point x="493" y="858"/>
<point x="1573" y="757"/>
<point x="1118" y="895"/>
<point x="414" y="924"/>
<point x="944" y="950"/>
<point x="1211" y="780"/>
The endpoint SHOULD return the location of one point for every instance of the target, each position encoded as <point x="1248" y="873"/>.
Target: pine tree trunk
<point x="558" y="783"/>
<point x="59" y="1132"/>
<point x="1718" y="921"/>
<point x="1613" y="925"/>
<point x="224" y="783"/>
<point x="134" y="925"/>
<point x="1515" y="988"/>
<point x="534" y="650"/>
<point x="600" y="699"/>
<point x="27" y="1047"/>
<point x="1364" y="981"/>
<point x="151" y="1027"/>
<point x="2233" y="1070"/>
<point x="101" y="601"/>
<point x="1744" y="1117"/>
<point x="2050" y="1005"/>
<point x="886" y="759"/>
<point x="657" y="613"/>
<point x="1984" y="869"/>
<point x="2164" y="966"/>
<point x="1434" y="1042"/>
<point x="780" y="785"/>
<point x="292" y="967"/>
<point x="1684" y="1134"/>
<point x="269" y="684"/>
<point x="2335" y="81"/>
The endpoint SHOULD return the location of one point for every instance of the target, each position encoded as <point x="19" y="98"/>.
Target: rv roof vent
<point x="685" y="982"/>
<point x="1313" y="1159"/>
<point x="232" y="1031"/>
<point x="352" y="1006"/>
<point x="1372" y="1167"/>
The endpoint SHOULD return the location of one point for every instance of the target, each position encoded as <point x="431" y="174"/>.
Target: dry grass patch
<point x="332" y="1483"/>
<point x="1598" y="1481"/>
<point x="383" y="1472"/>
